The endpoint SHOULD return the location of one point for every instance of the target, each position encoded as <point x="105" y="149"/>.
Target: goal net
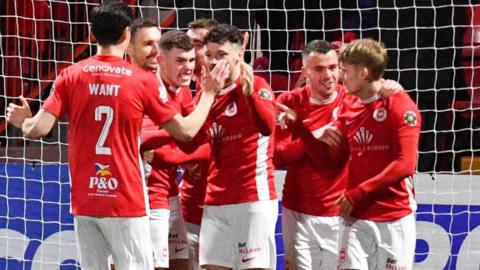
<point x="433" y="49"/>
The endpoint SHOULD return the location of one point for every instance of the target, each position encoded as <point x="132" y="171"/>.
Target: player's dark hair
<point x="139" y="23"/>
<point x="109" y="20"/>
<point x="175" y="39"/>
<point x="222" y="33"/>
<point x="318" y="46"/>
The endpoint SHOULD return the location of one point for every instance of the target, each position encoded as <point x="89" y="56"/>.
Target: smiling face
<point x="176" y="66"/>
<point x="143" y="50"/>
<point x="322" y="72"/>
<point x="228" y="51"/>
<point x="197" y="35"/>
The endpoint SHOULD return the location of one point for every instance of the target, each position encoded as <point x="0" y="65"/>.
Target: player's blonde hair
<point x="366" y="53"/>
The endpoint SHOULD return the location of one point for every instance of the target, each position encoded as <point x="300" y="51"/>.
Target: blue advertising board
<point x="36" y="228"/>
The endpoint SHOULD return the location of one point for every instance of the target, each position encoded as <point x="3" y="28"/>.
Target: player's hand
<point x="286" y="116"/>
<point x="246" y="73"/>
<point x="17" y="114"/>
<point x="345" y="208"/>
<point x="390" y="87"/>
<point x="329" y="134"/>
<point x="212" y="81"/>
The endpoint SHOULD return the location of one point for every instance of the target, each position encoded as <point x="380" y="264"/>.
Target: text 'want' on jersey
<point x="105" y="99"/>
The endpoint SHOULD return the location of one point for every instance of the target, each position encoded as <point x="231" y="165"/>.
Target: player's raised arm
<point x="185" y="128"/>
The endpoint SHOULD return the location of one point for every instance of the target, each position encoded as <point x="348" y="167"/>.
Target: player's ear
<point x="125" y="35"/>
<point x="365" y="73"/>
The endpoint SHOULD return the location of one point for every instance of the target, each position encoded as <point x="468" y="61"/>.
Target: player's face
<point x="144" y="49"/>
<point x="197" y="35"/>
<point x="226" y="51"/>
<point x="176" y="66"/>
<point x="322" y="72"/>
<point x="351" y="76"/>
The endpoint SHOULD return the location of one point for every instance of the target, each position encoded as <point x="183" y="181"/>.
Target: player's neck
<point x="370" y="90"/>
<point x="114" y="50"/>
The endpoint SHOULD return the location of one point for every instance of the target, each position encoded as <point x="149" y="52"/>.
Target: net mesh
<point x="434" y="52"/>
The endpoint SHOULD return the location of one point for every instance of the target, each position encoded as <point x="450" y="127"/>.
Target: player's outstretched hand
<point x="286" y="116"/>
<point x="17" y="114"/>
<point x="390" y="87"/>
<point x="329" y="134"/>
<point x="212" y="81"/>
<point x="246" y="73"/>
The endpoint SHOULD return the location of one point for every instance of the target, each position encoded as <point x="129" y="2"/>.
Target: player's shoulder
<point x="401" y="100"/>
<point x="293" y="97"/>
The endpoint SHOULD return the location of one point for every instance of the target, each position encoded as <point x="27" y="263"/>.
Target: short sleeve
<point x="157" y="105"/>
<point x="57" y="103"/>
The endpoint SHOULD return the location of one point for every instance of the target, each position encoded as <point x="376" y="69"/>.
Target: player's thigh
<point x="298" y="241"/>
<point x="177" y="238"/>
<point x="159" y="223"/>
<point x="193" y="233"/>
<point x="357" y="245"/>
<point x="130" y="241"/>
<point x="217" y="246"/>
<point x="326" y="232"/>
<point x="397" y="243"/>
<point x="253" y="231"/>
<point x="92" y="245"/>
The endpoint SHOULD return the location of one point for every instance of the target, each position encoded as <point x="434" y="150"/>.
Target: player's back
<point x="105" y="98"/>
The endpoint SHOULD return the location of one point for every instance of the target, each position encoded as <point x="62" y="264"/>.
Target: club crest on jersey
<point x="410" y="118"/>
<point x="265" y="94"/>
<point x="163" y="94"/>
<point x="380" y="114"/>
<point x="231" y="109"/>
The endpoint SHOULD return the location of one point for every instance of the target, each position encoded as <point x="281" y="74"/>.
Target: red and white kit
<point x="315" y="180"/>
<point x="240" y="178"/>
<point x="163" y="187"/>
<point x="105" y="99"/>
<point x="383" y="138"/>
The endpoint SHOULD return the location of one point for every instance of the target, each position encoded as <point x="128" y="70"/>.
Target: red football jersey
<point x="242" y="167"/>
<point x="162" y="182"/>
<point x="383" y="138"/>
<point x="105" y="99"/>
<point x="192" y="191"/>
<point x="309" y="189"/>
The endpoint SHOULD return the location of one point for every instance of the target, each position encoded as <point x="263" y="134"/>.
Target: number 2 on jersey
<point x="99" y="111"/>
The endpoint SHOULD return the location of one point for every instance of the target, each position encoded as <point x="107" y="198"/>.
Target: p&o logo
<point x="102" y="180"/>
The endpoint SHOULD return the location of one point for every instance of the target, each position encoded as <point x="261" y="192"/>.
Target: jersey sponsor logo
<point x="216" y="133"/>
<point x="102" y="89"/>
<point x="102" y="170"/>
<point x="247" y="253"/>
<point x="102" y="182"/>
<point x="174" y="238"/>
<point x="265" y="94"/>
<point x="363" y="136"/>
<point x="107" y="69"/>
<point x="380" y="114"/>
<point x="392" y="264"/>
<point x="231" y="109"/>
<point x="410" y="118"/>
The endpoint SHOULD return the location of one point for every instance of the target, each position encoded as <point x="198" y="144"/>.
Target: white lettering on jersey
<point x="100" y="89"/>
<point x="107" y="69"/>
